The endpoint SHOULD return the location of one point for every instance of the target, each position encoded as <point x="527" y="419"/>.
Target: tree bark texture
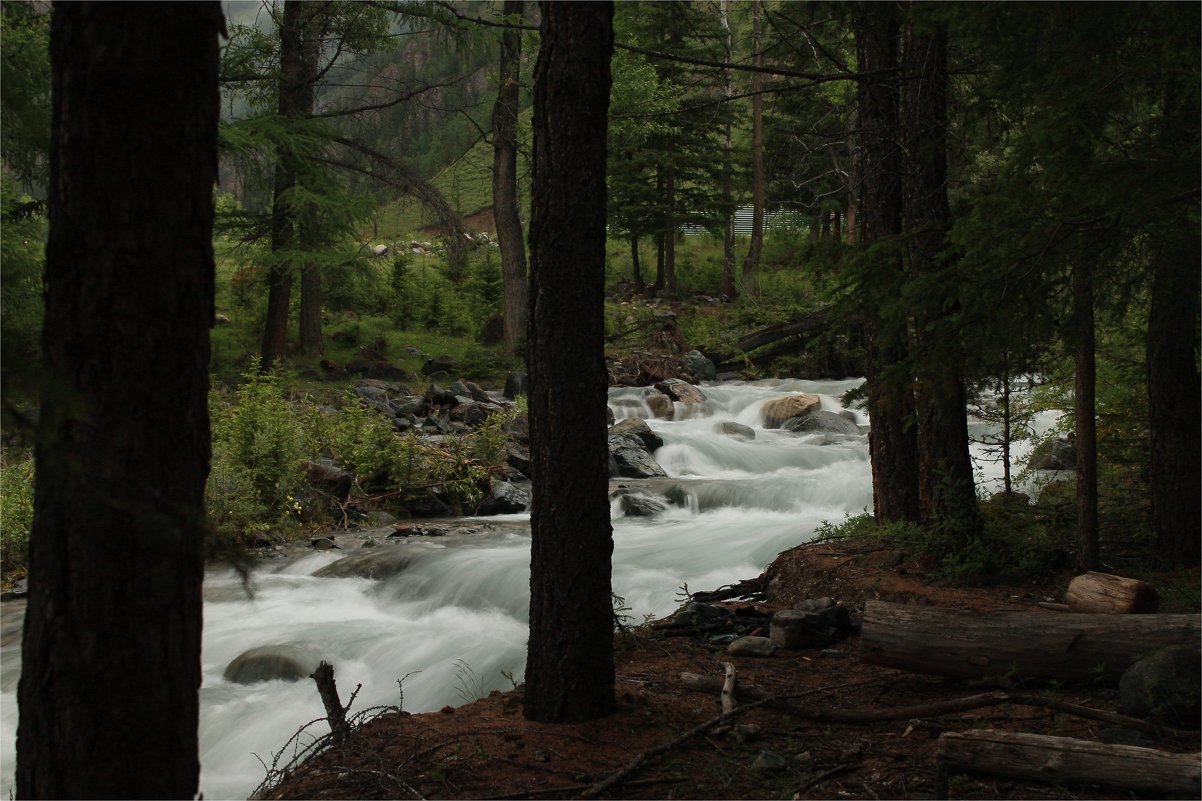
<point x="946" y="486"/>
<point x="1092" y="649"/>
<point x="505" y="183"/>
<point x="569" y="666"/>
<point x="669" y="231"/>
<point x="295" y="100"/>
<point x="728" y="147"/>
<point x="636" y="269"/>
<point x="111" y="647"/>
<point x="1065" y="760"/>
<point x="759" y="180"/>
<point x="1085" y="417"/>
<point x="892" y="440"/>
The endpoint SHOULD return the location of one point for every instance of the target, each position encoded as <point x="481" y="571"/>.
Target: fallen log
<point x="1064" y="760"/>
<point x="1017" y="645"/>
<point x="811" y="324"/>
<point x="1106" y="594"/>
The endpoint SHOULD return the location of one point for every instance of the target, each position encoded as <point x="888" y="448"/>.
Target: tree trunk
<point x="111" y="647"/>
<point x="310" y="283"/>
<point x="892" y="441"/>
<point x="670" y="231"/>
<point x="1085" y="419"/>
<point x="505" y="183"/>
<point x="759" y="190"/>
<point x="1018" y="645"/>
<point x="296" y="100"/>
<point x="728" y="179"/>
<point x="946" y="486"/>
<point x="569" y="666"/>
<point x="636" y="270"/>
<point x="1065" y="760"/>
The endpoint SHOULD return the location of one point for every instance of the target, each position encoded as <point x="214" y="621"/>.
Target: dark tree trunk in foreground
<point x="296" y="100"/>
<point x="505" y="183"/>
<point x="946" y="488"/>
<point x="1174" y="385"/>
<point x="892" y="442"/>
<point x="1085" y="417"/>
<point x="111" y="649"/>
<point x="569" y="666"/>
<point x="759" y="191"/>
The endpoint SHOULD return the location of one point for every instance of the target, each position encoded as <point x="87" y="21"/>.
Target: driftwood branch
<point x="328" y="690"/>
<point x="728" y="688"/>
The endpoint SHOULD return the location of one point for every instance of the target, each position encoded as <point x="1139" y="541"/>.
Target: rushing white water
<point x="453" y="622"/>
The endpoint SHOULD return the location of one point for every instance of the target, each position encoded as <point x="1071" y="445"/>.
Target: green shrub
<point x="16" y="511"/>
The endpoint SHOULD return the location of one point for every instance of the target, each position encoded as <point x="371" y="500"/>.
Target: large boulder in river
<point x="661" y="406"/>
<point x="778" y="411"/>
<point x="631" y="458"/>
<point x="735" y="430"/>
<point x="681" y="391"/>
<point x="504" y="498"/>
<point x="822" y="421"/>
<point x="376" y="564"/>
<point x="638" y="427"/>
<point x="702" y="368"/>
<point x="1054" y="454"/>
<point x="271" y="663"/>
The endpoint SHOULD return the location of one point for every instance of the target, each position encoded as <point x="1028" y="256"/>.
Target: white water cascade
<point x="453" y="622"/>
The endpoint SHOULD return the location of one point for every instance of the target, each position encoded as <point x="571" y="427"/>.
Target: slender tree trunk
<point x="759" y="191"/>
<point x="505" y="183"/>
<point x="1085" y="417"/>
<point x="660" y="279"/>
<point x="892" y="441"/>
<point x="639" y="284"/>
<point x="310" y="284"/>
<point x="296" y="100"/>
<point x="310" y="310"/>
<point x="728" y="148"/>
<point x="1174" y="385"/>
<point x="111" y="646"/>
<point x="569" y="666"/>
<point x="946" y="487"/>
<point x="670" y="231"/>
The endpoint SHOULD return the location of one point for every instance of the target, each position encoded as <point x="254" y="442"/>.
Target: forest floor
<point x="486" y="749"/>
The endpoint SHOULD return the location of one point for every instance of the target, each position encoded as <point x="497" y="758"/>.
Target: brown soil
<point x="486" y="749"/>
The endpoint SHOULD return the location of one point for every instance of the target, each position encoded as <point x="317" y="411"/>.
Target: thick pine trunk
<point x="759" y="191"/>
<point x="1018" y="645"/>
<point x="1065" y="761"/>
<point x="111" y="646"/>
<point x="311" y="341"/>
<point x="569" y="666"/>
<point x="946" y="487"/>
<point x="892" y="440"/>
<point x="505" y="184"/>
<point x="1085" y="417"/>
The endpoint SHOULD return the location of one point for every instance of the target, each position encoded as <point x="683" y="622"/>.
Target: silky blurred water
<point x="453" y="622"/>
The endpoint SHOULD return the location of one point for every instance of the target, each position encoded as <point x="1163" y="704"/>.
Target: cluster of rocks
<point x="748" y="630"/>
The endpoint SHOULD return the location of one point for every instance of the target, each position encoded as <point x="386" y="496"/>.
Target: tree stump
<point x="1103" y="593"/>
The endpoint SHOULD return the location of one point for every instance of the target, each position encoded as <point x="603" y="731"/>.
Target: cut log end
<point x="1106" y="594"/>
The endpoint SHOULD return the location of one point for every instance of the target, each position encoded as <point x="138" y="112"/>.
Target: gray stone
<point x="702" y="368"/>
<point x="504" y="498"/>
<point x="270" y="663"/>
<point x="681" y="391"/>
<point x="1164" y="686"/>
<point x="380" y="518"/>
<point x="638" y="427"/>
<point x="378" y="564"/>
<point x="823" y="421"/>
<point x="439" y="364"/>
<point x="752" y="646"/>
<point x="769" y="762"/>
<point x="695" y="613"/>
<point x="735" y="430"/>
<point x="631" y="458"/>
<point x="777" y="411"/>
<point x="661" y="406"/>
<point x="798" y="628"/>
<point x="639" y="505"/>
<point x="814" y="604"/>
<point x="409" y="404"/>
<point x="1054" y="454"/>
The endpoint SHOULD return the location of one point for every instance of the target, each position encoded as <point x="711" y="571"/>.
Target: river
<point x="452" y="624"/>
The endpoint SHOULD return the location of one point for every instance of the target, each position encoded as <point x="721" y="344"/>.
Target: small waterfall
<point x="463" y="599"/>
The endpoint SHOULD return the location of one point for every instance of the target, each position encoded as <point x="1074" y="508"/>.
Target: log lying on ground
<point x="1106" y="594"/>
<point x="1017" y="645"/>
<point x="1064" y="760"/>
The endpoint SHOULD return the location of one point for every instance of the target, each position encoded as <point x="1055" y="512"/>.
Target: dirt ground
<point x="486" y="749"/>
